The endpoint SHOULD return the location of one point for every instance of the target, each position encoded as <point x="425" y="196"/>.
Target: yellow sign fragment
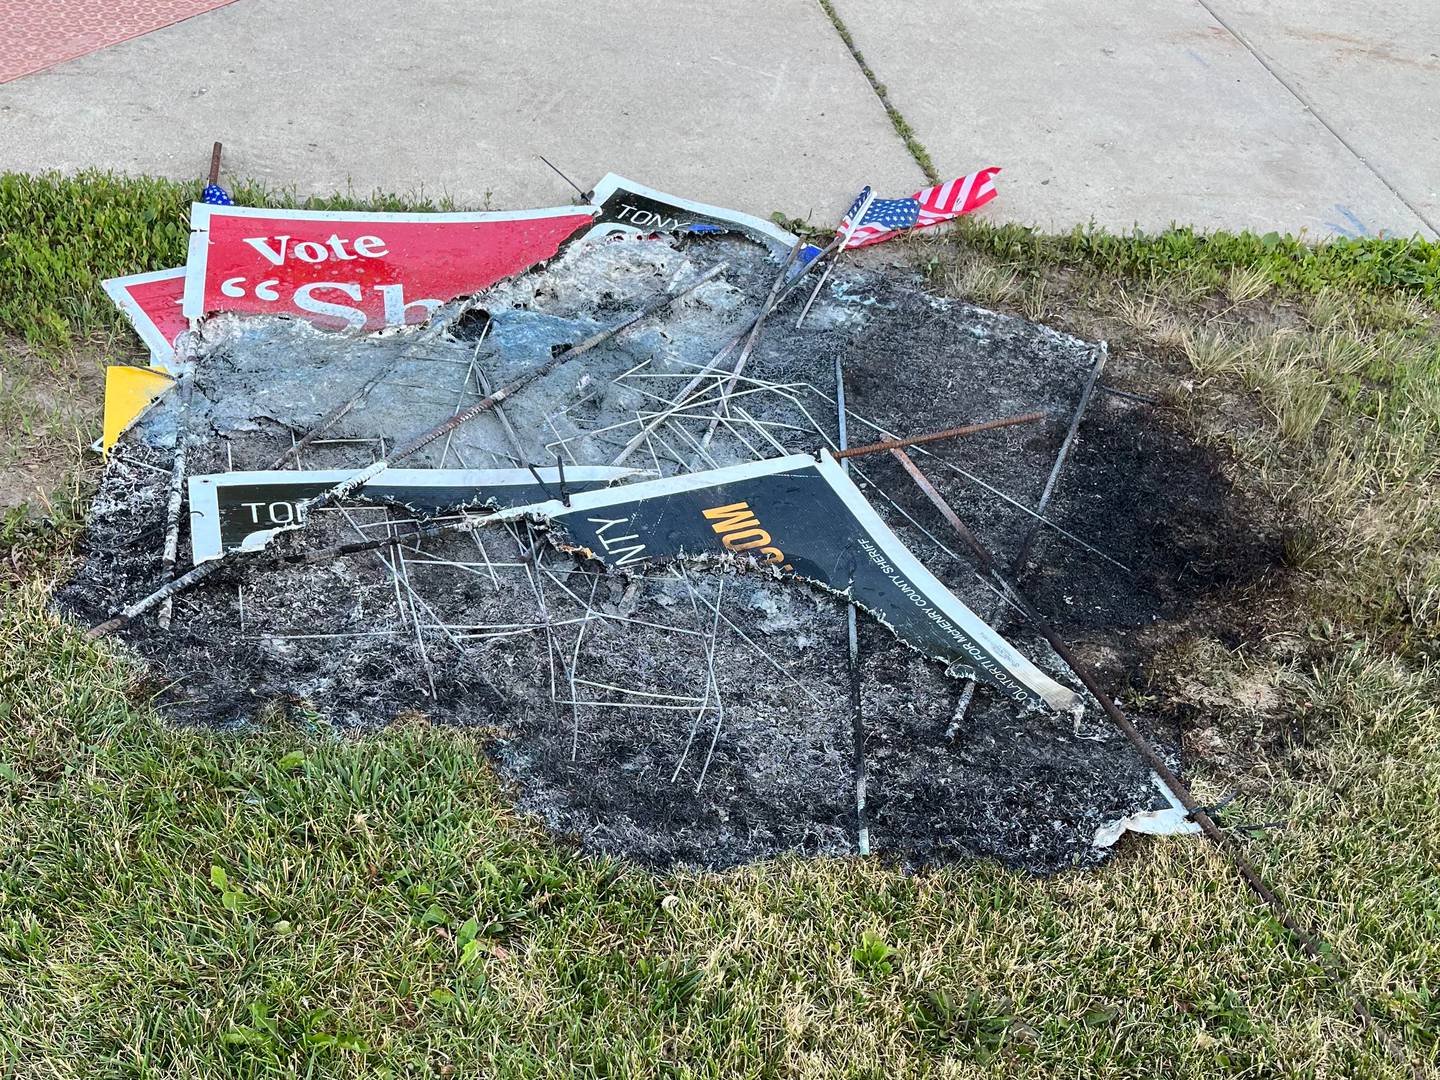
<point x="128" y="393"/>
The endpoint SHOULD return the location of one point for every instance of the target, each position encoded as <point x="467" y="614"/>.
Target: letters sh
<point x="278" y="251"/>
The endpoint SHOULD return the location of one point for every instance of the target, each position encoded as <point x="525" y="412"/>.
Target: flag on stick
<point x="872" y="220"/>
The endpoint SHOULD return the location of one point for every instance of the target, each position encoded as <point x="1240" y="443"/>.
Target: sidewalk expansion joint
<point x="902" y="126"/>
<point x="1309" y="107"/>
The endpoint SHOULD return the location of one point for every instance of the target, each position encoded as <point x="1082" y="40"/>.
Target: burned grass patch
<point x="1143" y="488"/>
<point x="681" y="712"/>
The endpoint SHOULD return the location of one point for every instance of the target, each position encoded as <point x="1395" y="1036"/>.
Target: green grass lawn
<point x="290" y="902"/>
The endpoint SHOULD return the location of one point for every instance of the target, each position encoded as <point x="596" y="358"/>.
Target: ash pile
<point x="603" y="510"/>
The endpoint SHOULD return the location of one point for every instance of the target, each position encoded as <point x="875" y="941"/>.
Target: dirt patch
<point x="49" y="407"/>
<point x="684" y="713"/>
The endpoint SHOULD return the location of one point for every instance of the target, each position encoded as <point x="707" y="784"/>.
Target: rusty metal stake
<point x="1017" y="564"/>
<point x="852" y="635"/>
<point x="936" y="436"/>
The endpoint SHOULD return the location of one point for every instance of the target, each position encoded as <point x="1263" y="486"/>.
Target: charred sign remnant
<point x="629" y="207"/>
<point x="440" y="586"/>
<point x="151" y="302"/>
<point x="819" y="527"/>
<point x="229" y="511"/>
<point x="352" y="270"/>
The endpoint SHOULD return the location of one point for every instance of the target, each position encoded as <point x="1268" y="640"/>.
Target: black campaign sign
<point x="626" y="206"/>
<point x="805" y="518"/>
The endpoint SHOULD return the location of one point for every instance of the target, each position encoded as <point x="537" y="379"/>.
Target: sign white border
<point x="118" y="289"/>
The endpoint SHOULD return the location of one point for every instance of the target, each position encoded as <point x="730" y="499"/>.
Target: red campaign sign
<point x="152" y="304"/>
<point x="360" y="271"/>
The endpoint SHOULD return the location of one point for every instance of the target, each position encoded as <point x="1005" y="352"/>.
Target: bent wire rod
<point x="719" y="701"/>
<point x="750" y="342"/>
<point x="1028" y="511"/>
<point x="575" y="663"/>
<point x="710" y="682"/>
<point x="719" y="357"/>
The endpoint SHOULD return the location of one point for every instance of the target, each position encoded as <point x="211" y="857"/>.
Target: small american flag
<point x="880" y="219"/>
<point x="216" y="195"/>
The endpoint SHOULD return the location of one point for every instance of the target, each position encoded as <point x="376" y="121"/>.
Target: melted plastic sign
<point x="806" y="518"/>
<point x="357" y="271"/>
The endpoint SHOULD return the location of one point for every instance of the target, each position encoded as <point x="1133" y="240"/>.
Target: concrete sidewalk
<point x="1323" y="116"/>
<point x="1227" y="113"/>
<point x="757" y="106"/>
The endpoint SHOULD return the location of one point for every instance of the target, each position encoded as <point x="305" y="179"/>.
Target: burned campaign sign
<point x="351" y="270"/>
<point x="245" y="509"/>
<point x="806" y="518"/>
<point x="628" y="207"/>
